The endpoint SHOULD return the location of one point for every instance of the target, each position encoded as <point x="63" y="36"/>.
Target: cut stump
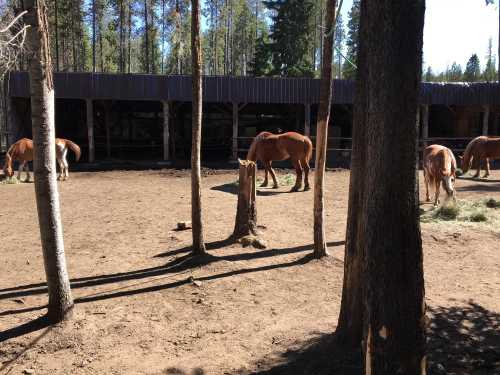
<point x="246" y="214"/>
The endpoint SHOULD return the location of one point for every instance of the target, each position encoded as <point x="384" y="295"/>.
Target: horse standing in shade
<point x="267" y="147"/>
<point x="480" y="149"/>
<point x="439" y="166"/>
<point x="22" y="151"/>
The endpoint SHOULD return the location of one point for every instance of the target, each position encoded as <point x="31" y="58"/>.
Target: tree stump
<point x="246" y="214"/>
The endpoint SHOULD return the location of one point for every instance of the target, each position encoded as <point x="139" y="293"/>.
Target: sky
<point x="454" y="30"/>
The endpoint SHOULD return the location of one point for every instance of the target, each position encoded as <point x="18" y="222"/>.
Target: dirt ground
<point x="251" y="311"/>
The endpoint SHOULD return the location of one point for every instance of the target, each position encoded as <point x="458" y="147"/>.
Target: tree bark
<point x="93" y="37"/>
<point x="44" y="160"/>
<point x="146" y="35"/>
<point x="394" y="328"/>
<point x="246" y="213"/>
<point x="56" y="33"/>
<point x="322" y="134"/>
<point x="196" y="209"/>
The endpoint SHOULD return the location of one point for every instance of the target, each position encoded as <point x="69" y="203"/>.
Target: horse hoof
<point x="263" y="185"/>
<point x="306" y="188"/>
<point x="275" y="186"/>
<point x="294" y="189"/>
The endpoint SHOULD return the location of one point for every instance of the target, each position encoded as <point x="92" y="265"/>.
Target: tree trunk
<point x="122" y="64"/>
<point x="146" y="35"/>
<point x="129" y="55"/>
<point x="93" y="37"/>
<point x="47" y="195"/>
<point x="394" y="328"/>
<point x="196" y="212"/>
<point x="246" y="213"/>
<point x="322" y="134"/>
<point x="349" y="330"/>
<point x="56" y="33"/>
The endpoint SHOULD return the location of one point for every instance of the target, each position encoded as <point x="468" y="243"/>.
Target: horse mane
<point x="469" y="154"/>
<point x="449" y="162"/>
<point x="252" y="152"/>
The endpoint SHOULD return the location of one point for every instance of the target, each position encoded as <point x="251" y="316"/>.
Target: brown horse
<point x="439" y="167"/>
<point x="22" y="151"/>
<point x="267" y="147"/>
<point x="481" y="149"/>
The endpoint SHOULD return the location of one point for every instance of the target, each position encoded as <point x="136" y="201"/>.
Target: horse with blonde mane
<point x="481" y="149"/>
<point x="439" y="167"/>
<point x="22" y="151"/>
<point x="268" y="147"/>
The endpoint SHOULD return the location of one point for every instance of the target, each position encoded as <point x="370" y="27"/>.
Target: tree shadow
<point x="174" y="268"/>
<point x="321" y="355"/>
<point x="476" y="179"/>
<point x="178" y="371"/>
<point x="464" y="340"/>
<point x="232" y="188"/>
<point x="480" y="187"/>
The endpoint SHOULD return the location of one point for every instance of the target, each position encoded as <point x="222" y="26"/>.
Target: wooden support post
<point x="90" y="129"/>
<point x="486" y="119"/>
<point x="234" y="148"/>
<point x="166" y="129"/>
<point x="425" y="124"/>
<point x="107" y="120"/>
<point x="246" y="214"/>
<point x="307" y="119"/>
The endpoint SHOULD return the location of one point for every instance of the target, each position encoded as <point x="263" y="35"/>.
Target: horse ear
<point x="461" y="157"/>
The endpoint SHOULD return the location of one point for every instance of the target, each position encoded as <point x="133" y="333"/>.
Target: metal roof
<point x="226" y="89"/>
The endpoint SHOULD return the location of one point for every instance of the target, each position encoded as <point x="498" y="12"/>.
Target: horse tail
<point x="308" y="148"/>
<point x="75" y="148"/>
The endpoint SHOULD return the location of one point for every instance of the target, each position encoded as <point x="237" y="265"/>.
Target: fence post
<point x="307" y="119"/>
<point x="166" y="134"/>
<point x="425" y="123"/>
<point x="234" y="148"/>
<point x="90" y="129"/>
<point x="486" y="119"/>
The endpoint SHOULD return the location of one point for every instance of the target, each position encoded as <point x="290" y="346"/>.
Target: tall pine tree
<point x="352" y="41"/>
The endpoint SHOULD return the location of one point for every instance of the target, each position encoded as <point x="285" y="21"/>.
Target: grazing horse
<point x="22" y="151"/>
<point x="439" y="166"/>
<point x="267" y="147"/>
<point x="478" y="150"/>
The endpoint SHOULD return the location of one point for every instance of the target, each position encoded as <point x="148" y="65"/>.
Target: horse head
<point x="448" y="182"/>
<point x="7" y="168"/>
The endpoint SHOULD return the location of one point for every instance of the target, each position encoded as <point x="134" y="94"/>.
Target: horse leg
<point x="478" y="171"/>
<point x="486" y="175"/>
<point x="437" y="185"/>
<point x="266" y="174"/>
<point x="273" y="175"/>
<point x="298" y="180"/>
<point x="305" y="164"/>
<point x="64" y="162"/>
<point x="27" y="170"/>
<point x="59" y="176"/>
<point x="426" y="180"/>
<point x="21" y="167"/>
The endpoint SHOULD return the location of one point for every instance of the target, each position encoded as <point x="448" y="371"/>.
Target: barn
<point x="147" y="118"/>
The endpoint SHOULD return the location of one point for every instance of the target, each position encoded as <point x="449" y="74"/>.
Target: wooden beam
<point x="234" y="148"/>
<point x="307" y="119"/>
<point x="107" y="120"/>
<point x="90" y="129"/>
<point x="166" y="130"/>
<point x="425" y="123"/>
<point x="486" y="119"/>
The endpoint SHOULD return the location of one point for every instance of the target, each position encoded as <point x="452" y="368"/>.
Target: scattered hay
<point x="447" y="212"/>
<point x="464" y="211"/>
<point x="10" y="181"/>
<point x="459" y="172"/>
<point x="478" y="217"/>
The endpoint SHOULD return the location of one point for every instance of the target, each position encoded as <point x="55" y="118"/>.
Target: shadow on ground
<point x="462" y="340"/>
<point x="176" y="268"/>
<point x="232" y="188"/>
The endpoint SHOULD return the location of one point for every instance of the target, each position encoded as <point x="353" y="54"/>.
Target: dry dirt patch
<point x="250" y="311"/>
